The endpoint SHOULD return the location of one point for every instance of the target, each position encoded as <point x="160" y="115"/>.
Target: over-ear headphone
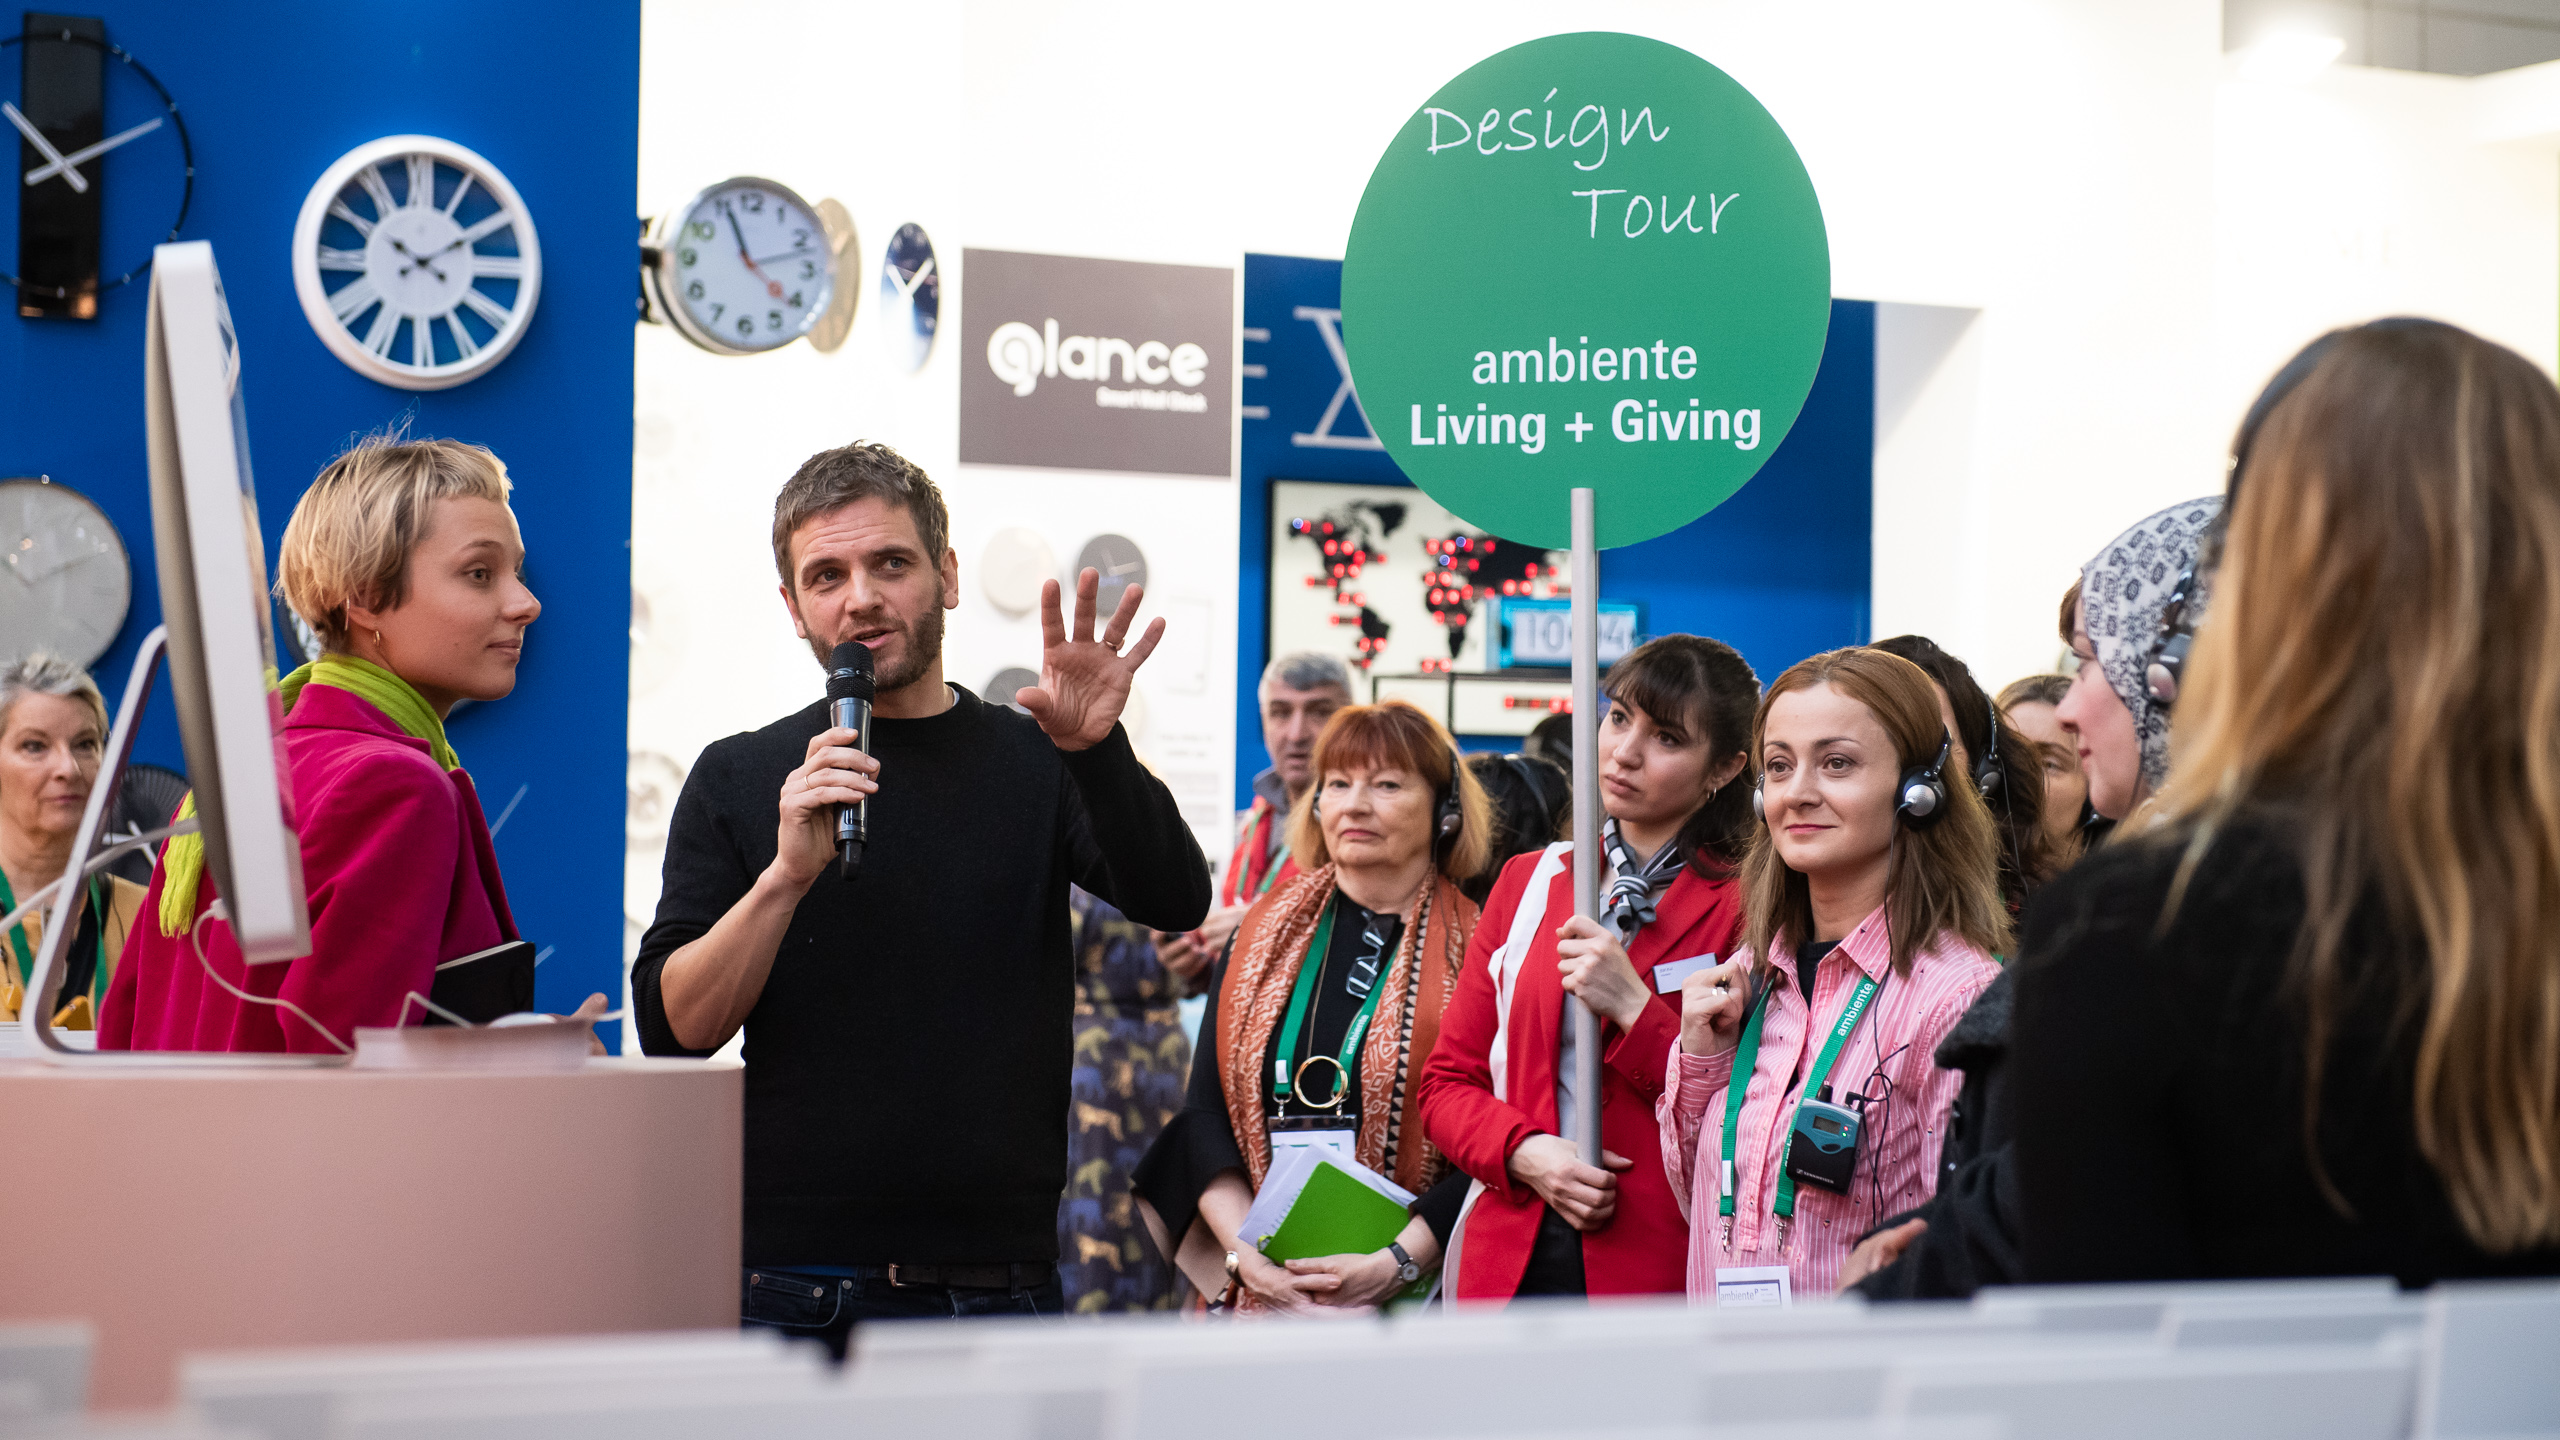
<point x="1921" y="799"/>
<point x="1987" y="771"/>
<point x="1451" y="815"/>
<point x="2168" y="658"/>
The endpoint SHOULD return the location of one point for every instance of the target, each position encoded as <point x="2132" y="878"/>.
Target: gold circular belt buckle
<point x="1341" y="1082"/>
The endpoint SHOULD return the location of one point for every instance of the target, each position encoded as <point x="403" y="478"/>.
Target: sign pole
<point x="1586" y="807"/>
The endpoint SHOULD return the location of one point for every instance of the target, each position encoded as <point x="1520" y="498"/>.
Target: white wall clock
<point x="1012" y="569"/>
<point x="65" y="580"/>
<point x="416" y="262"/>
<point x="741" y="268"/>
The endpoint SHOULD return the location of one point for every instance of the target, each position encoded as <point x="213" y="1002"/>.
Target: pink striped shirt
<point x="1898" y="1154"/>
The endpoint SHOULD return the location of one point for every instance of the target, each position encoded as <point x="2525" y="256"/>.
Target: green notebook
<point x="1335" y="1215"/>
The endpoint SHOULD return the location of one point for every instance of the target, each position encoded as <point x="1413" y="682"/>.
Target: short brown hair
<point x="352" y="532"/>
<point x="2034" y="690"/>
<point x="1400" y="734"/>
<point x="863" y="470"/>
<point x="1943" y="879"/>
<point x="2071" y="613"/>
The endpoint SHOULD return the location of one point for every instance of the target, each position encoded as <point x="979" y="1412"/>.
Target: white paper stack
<point x="1288" y="1177"/>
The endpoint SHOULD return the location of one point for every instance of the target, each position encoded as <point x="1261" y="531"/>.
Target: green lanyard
<point x="1747" y="1055"/>
<point x="26" y="957"/>
<point x="1302" y="999"/>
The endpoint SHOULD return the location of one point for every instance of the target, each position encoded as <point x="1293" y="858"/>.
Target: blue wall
<point x="272" y="94"/>
<point x="1780" y="571"/>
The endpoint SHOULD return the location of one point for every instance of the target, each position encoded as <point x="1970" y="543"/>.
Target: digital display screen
<point x="1826" y="1125"/>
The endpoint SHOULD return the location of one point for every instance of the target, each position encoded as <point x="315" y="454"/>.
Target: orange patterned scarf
<point x="1270" y="946"/>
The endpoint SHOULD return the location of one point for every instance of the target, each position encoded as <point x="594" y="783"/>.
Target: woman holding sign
<point x="1804" y="1103"/>
<point x="1319" y="1017"/>
<point x="1543" y="1220"/>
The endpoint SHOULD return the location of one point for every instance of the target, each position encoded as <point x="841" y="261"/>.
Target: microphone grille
<point x="849" y="673"/>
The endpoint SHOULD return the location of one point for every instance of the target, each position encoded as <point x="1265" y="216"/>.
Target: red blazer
<point x="400" y="875"/>
<point x="1645" y="1248"/>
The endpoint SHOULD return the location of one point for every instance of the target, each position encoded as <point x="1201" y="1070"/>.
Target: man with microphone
<point x="909" y="1028"/>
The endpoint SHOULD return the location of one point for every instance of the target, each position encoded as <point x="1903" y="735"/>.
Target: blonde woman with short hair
<point x="53" y="728"/>
<point x="405" y="559"/>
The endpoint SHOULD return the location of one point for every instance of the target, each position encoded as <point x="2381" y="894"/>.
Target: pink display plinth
<point x="188" y="1210"/>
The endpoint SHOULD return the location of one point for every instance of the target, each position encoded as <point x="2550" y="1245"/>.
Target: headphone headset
<point x="1987" y="771"/>
<point x="2167" y="660"/>
<point x="1919" y="799"/>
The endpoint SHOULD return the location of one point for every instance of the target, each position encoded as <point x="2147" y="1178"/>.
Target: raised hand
<point x="1084" y="682"/>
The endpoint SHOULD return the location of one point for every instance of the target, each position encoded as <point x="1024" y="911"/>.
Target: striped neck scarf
<point x="1628" y="907"/>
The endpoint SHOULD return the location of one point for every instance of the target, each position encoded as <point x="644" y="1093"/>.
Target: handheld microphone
<point x="849" y="692"/>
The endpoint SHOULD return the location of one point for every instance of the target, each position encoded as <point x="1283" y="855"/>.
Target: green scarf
<point x="182" y="862"/>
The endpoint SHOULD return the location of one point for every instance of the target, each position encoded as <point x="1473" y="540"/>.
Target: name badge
<point x="1668" y="975"/>
<point x="1336" y="1143"/>
<point x="1753" y="1287"/>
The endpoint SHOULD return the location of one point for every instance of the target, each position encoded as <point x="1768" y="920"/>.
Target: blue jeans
<point x="825" y="1307"/>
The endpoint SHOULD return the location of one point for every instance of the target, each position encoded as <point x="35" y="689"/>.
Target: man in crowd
<point x="1299" y="692"/>
<point x="908" y="1029"/>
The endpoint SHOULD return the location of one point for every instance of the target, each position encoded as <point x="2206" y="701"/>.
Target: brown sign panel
<point x="1096" y="364"/>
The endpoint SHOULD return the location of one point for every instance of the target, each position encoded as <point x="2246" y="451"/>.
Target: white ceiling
<point x="2447" y="37"/>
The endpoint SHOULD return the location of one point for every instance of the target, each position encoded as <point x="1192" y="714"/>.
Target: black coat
<point x="1973" y="1219"/>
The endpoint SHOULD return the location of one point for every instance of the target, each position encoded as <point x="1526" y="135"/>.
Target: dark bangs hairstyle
<point x="1704" y="690"/>
<point x="2027" y="853"/>
<point x="1941" y="880"/>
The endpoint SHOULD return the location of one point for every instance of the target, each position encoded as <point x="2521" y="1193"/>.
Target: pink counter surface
<point x="191" y="1210"/>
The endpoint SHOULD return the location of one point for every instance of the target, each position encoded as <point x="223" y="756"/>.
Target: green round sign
<point x="1591" y="260"/>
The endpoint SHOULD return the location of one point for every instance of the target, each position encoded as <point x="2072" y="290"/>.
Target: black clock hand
<point x="418" y="261"/>
<point x="771" y="285"/>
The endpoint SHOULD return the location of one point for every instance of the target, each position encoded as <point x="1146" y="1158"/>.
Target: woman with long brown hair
<point x="1803" y="1104"/>
<point x="1321" y="1015"/>
<point x="2307" y="1020"/>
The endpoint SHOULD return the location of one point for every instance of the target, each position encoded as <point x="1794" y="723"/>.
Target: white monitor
<point x="213" y="595"/>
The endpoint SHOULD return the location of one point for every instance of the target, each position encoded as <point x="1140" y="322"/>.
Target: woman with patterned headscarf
<point x="1322" y="1013"/>
<point x="2139" y="589"/>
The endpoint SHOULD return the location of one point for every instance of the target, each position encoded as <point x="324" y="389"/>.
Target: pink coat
<point x="400" y="873"/>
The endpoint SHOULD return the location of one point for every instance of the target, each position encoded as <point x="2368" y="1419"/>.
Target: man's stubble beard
<point x="923" y="648"/>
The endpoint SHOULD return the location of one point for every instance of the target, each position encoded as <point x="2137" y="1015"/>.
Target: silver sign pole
<point x="1586" y="808"/>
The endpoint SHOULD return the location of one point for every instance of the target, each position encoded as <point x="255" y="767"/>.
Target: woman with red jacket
<point x="1540" y="1220"/>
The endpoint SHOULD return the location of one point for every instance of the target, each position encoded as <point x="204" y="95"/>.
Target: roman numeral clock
<point x="416" y="262"/>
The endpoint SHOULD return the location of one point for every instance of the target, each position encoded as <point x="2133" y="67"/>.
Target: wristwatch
<point x="1406" y="1271"/>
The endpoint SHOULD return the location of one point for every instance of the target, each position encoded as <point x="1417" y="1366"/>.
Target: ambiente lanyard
<point x="26" y="957"/>
<point x="1745" y="1057"/>
<point x="1301" y="1000"/>
<point x="1271" y="862"/>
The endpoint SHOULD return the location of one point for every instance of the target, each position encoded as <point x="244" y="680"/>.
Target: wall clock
<point x="741" y="268"/>
<point x="61" y="117"/>
<point x="1121" y="563"/>
<point x="910" y="295"/>
<point x="845" y="244"/>
<point x="67" y="579"/>
<point x="1008" y="682"/>
<point x="1012" y="568"/>
<point x="416" y="262"/>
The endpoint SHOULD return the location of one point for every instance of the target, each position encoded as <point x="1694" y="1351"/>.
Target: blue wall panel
<point x="1780" y="571"/>
<point x="272" y="93"/>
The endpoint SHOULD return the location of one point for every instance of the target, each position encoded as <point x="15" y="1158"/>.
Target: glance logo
<point x="1022" y="357"/>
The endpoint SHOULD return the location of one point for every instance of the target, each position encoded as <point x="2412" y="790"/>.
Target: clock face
<point x="1122" y="565"/>
<point x="745" y="267"/>
<point x="416" y="262"/>
<point x="64" y="577"/>
<point x="910" y="295"/>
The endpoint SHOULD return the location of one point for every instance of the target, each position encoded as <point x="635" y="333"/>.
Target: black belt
<point x="972" y="1277"/>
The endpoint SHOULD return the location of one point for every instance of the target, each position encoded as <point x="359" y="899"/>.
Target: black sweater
<point x="907" y="1063"/>
<point x="1973" y="1218"/>
<point x="2157" y="1080"/>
